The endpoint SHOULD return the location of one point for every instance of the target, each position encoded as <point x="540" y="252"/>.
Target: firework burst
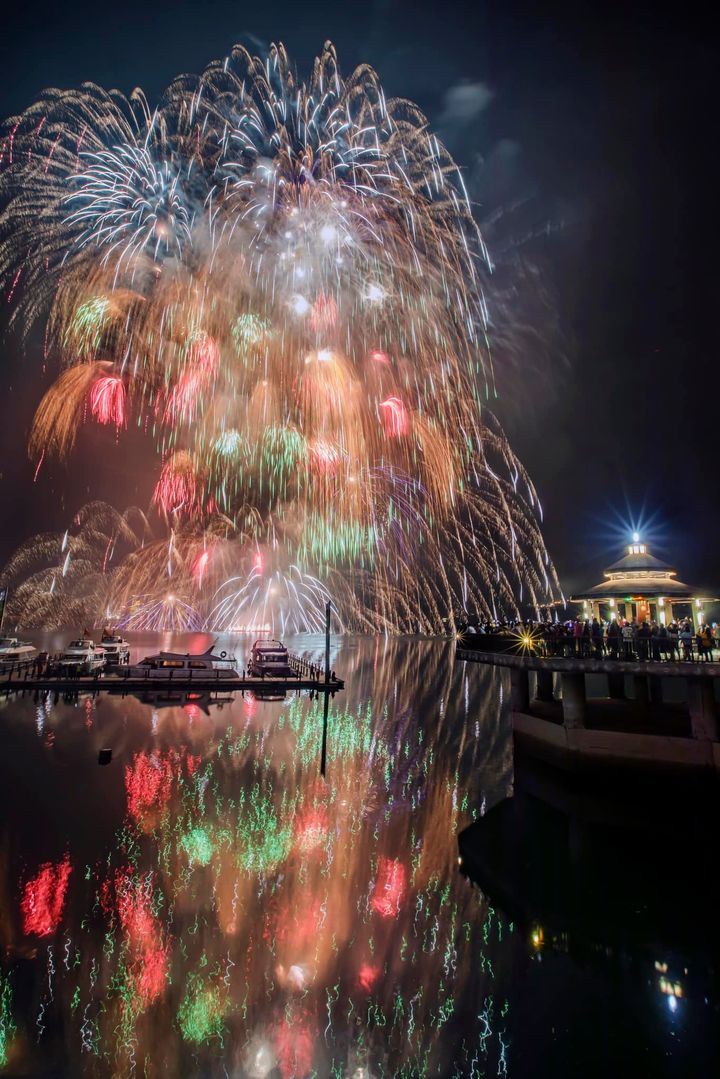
<point x="284" y="282"/>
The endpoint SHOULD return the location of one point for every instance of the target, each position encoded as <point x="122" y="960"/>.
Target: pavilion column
<point x="573" y="699"/>
<point x="519" y="689"/>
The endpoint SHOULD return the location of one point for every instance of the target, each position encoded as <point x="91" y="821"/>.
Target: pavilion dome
<point x="638" y="573"/>
<point x="639" y="559"/>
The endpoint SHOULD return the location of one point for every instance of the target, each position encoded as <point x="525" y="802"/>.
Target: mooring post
<point x="327" y="642"/>
<point x="573" y="699"/>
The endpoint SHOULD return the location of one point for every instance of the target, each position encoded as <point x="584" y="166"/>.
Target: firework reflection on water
<point x="230" y="907"/>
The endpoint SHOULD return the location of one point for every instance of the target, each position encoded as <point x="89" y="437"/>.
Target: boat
<point x="185" y="665"/>
<point x="13" y="651"/>
<point x="82" y="654"/>
<point x="117" y="649"/>
<point x="270" y="658"/>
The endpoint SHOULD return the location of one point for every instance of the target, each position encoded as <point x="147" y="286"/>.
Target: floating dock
<point x="132" y="685"/>
<point x="305" y="676"/>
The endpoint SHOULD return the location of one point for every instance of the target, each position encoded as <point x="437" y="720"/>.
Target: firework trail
<point x="283" y="281"/>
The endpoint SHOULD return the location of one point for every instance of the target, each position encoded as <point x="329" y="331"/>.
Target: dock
<point x="104" y="681"/>
<point x="305" y="677"/>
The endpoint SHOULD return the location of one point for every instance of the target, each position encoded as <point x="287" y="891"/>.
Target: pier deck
<point x="200" y="683"/>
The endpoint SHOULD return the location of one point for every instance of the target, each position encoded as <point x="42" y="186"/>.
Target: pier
<point x="305" y="676"/>
<point x="642" y="720"/>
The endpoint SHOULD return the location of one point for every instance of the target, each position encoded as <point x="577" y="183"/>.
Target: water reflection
<point x="208" y="904"/>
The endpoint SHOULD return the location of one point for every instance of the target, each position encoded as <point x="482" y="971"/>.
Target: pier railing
<point x="637" y="649"/>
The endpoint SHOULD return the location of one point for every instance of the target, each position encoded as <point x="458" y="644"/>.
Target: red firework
<point x="176" y="489"/>
<point x="108" y="400"/>
<point x="395" y="417"/>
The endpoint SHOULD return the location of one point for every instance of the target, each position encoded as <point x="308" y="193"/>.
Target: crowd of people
<point x="617" y="639"/>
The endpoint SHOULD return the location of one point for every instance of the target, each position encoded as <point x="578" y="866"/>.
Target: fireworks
<point x="283" y="282"/>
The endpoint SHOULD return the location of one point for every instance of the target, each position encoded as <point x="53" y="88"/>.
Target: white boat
<point x="185" y="665"/>
<point x="117" y="649"/>
<point x="14" y="651"/>
<point x="270" y="658"/>
<point x="83" y="654"/>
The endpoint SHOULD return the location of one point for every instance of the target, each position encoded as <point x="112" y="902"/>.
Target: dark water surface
<point x="209" y="905"/>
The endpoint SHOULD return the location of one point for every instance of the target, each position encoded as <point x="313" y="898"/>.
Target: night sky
<point x="587" y="139"/>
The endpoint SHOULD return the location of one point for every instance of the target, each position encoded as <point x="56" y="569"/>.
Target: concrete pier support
<point x="656" y="688"/>
<point x="701" y="705"/>
<point x="544" y="690"/>
<point x="519" y="690"/>
<point x="573" y="699"/>
<point x="616" y="687"/>
<point x="642" y="694"/>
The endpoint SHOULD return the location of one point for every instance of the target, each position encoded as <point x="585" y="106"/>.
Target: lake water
<point x="209" y="904"/>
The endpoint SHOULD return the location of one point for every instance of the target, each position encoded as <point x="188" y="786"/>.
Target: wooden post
<point x="327" y="642"/>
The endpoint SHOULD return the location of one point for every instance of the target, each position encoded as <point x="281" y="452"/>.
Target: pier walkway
<point x="305" y="676"/>
<point x="643" y="719"/>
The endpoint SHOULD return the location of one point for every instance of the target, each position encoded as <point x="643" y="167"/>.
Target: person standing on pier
<point x="627" y="637"/>
<point x="578" y="630"/>
<point x="596" y="631"/>
<point x="686" y="640"/>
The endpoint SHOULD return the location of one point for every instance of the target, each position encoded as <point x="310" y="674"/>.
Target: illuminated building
<point x="640" y="586"/>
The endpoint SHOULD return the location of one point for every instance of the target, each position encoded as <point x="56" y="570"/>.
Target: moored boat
<point x="83" y="655"/>
<point x="269" y="658"/>
<point x="13" y="651"/>
<point x="117" y="649"/>
<point x="185" y="665"/>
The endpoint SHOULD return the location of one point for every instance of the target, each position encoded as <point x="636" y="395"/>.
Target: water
<point x="209" y="904"/>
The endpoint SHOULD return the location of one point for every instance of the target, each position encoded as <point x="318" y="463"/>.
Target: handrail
<point x="637" y="649"/>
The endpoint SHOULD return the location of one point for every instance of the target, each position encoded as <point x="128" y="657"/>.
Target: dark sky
<point x="588" y="136"/>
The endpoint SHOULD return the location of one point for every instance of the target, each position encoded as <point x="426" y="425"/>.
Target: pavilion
<point x="640" y="586"/>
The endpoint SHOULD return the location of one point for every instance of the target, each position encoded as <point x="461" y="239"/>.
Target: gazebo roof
<point x="639" y="560"/>
<point x="638" y="573"/>
<point x="647" y="585"/>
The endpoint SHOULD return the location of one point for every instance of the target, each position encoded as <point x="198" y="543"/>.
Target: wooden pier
<point x="131" y="685"/>
<point x="305" y="676"/>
